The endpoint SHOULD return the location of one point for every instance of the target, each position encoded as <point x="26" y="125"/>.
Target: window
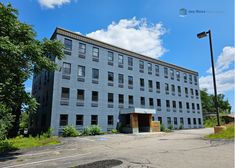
<point x="142" y="101"/>
<point x="95" y="96"/>
<point x="130" y="80"/>
<point x="168" y="120"/>
<point x="185" y="77"/>
<point x="172" y="73"/>
<point x="150" y="101"/>
<point x="110" y="76"/>
<point x="130" y="61"/>
<point x="150" y="83"/>
<point x="193" y="106"/>
<point x="67" y="44"/>
<point x="173" y="88"/>
<point x="196" y="92"/>
<point x="158" y="85"/>
<point x="199" y="121"/>
<point x="190" y="79"/>
<point x="131" y="99"/>
<point x="141" y="82"/>
<point x="110" y="56"/>
<point x="174" y="104"/>
<point x="141" y="66"/>
<point x="178" y="75"/>
<point x="194" y="121"/>
<point x="94" y="120"/>
<point x="63" y="119"/>
<point x="198" y="107"/>
<point x="160" y="119"/>
<point x="120" y="59"/>
<point x="159" y="102"/>
<point x="65" y="93"/>
<point x="120" y="78"/>
<point x="149" y="68"/>
<point x="66" y="68"/>
<point x="167" y="103"/>
<point x="180" y="104"/>
<point x="187" y="105"/>
<point x="80" y="95"/>
<point x="79" y="119"/>
<point x="121" y="99"/>
<point x="181" y="120"/>
<point x="166" y="72"/>
<point x="110" y="120"/>
<point x="179" y="89"/>
<point x="189" y="121"/>
<point x="166" y="87"/>
<point x="82" y="48"/>
<point x="95" y="52"/>
<point x="195" y="80"/>
<point x="186" y="90"/>
<point x="81" y="71"/>
<point x="175" y="121"/>
<point x="95" y="73"/>
<point x="191" y="90"/>
<point x="110" y="97"/>
<point x="156" y="70"/>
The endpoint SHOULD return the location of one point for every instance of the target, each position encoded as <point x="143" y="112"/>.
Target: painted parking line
<point x="34" y="154"/>
<point x="46" y="160"/>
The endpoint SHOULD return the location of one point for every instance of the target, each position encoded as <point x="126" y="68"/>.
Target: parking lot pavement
<point x="181" y="148"/>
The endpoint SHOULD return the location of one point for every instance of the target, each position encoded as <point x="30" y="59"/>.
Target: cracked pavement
<point x="181" y="148"/>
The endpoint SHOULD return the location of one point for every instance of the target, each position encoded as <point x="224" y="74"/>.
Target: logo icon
<point x="183" y="12"/>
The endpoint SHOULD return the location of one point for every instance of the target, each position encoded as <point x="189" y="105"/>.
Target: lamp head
<point x="201" y="35"/>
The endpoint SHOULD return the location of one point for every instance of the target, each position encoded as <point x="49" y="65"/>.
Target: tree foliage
<point x="208" y="105"/>
<point x="21" y="55"/>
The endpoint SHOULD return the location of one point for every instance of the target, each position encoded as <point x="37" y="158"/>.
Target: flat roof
<point x="73" y="35"/>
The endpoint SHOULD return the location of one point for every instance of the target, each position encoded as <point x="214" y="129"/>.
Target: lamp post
<point x="201" y="35"/>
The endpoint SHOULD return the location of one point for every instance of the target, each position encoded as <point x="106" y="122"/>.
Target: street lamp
<point x="201" y="35"/>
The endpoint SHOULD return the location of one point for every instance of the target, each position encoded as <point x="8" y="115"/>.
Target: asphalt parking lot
<point x="181" y="148"/>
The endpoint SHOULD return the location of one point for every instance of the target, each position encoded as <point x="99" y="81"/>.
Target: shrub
<point x="95" y="130"/>
<point x="181" y="126"/>
<point x="48" y="133"/>
<point x="114" y="131"/>
<point x="69" y="131"/>
<point x="170" y="127"/>
<point x="162" y="127"/>
<point x="86" y="131"/>
<point x="5" y="121"/>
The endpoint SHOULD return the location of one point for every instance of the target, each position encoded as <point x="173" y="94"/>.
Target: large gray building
<point x="98" y="83"/>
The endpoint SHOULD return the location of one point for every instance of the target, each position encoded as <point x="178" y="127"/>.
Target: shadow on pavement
<point x="101" y="164"/>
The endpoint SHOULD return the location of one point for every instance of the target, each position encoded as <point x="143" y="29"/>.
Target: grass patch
<point x="225" y="134"/>
<point x="26" y="142"/>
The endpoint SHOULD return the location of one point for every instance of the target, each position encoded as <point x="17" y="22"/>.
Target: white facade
<point x="54" y="104"/>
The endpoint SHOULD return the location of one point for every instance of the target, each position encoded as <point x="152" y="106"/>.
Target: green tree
<point x="208" y="105"/>
<point x="21" y="55"/>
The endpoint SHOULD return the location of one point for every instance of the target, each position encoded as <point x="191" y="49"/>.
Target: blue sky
<point x="174" y="37"/>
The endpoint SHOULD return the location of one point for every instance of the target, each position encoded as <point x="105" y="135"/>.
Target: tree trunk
<point x="13" y="132"/>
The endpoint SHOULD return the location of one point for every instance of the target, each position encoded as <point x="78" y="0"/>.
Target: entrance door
<point x="144" y="121"/>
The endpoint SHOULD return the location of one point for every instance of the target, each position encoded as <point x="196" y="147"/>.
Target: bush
<point x="86" y="131"/>
<point x="5" y="121"/>
<point x="95" y="130"/>
<point x="114" y="131"/>
<point x="48" y="133"/>
<point x="69" y="131"/>
<point x="170" y="127"/>
<point x="181" y="126"/>
<point x="162" y="127"/>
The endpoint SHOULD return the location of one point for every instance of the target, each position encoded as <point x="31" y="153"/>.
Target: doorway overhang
<point x="137" y="111"/>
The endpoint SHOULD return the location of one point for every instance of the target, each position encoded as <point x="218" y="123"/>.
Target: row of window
<point x="110" y="77"/>
<point x="110" y="98"/>
<point x="110" y="61"/>
<point x="110" y="120"/>
<point x="80" y="119"/>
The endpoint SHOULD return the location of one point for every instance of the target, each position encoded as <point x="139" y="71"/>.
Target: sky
<point x="162" y="29"/>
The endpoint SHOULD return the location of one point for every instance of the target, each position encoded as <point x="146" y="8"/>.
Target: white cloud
<point x="224" y="72"/>
<point x="52" y="3"/>
<point x="135" y="35"/>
